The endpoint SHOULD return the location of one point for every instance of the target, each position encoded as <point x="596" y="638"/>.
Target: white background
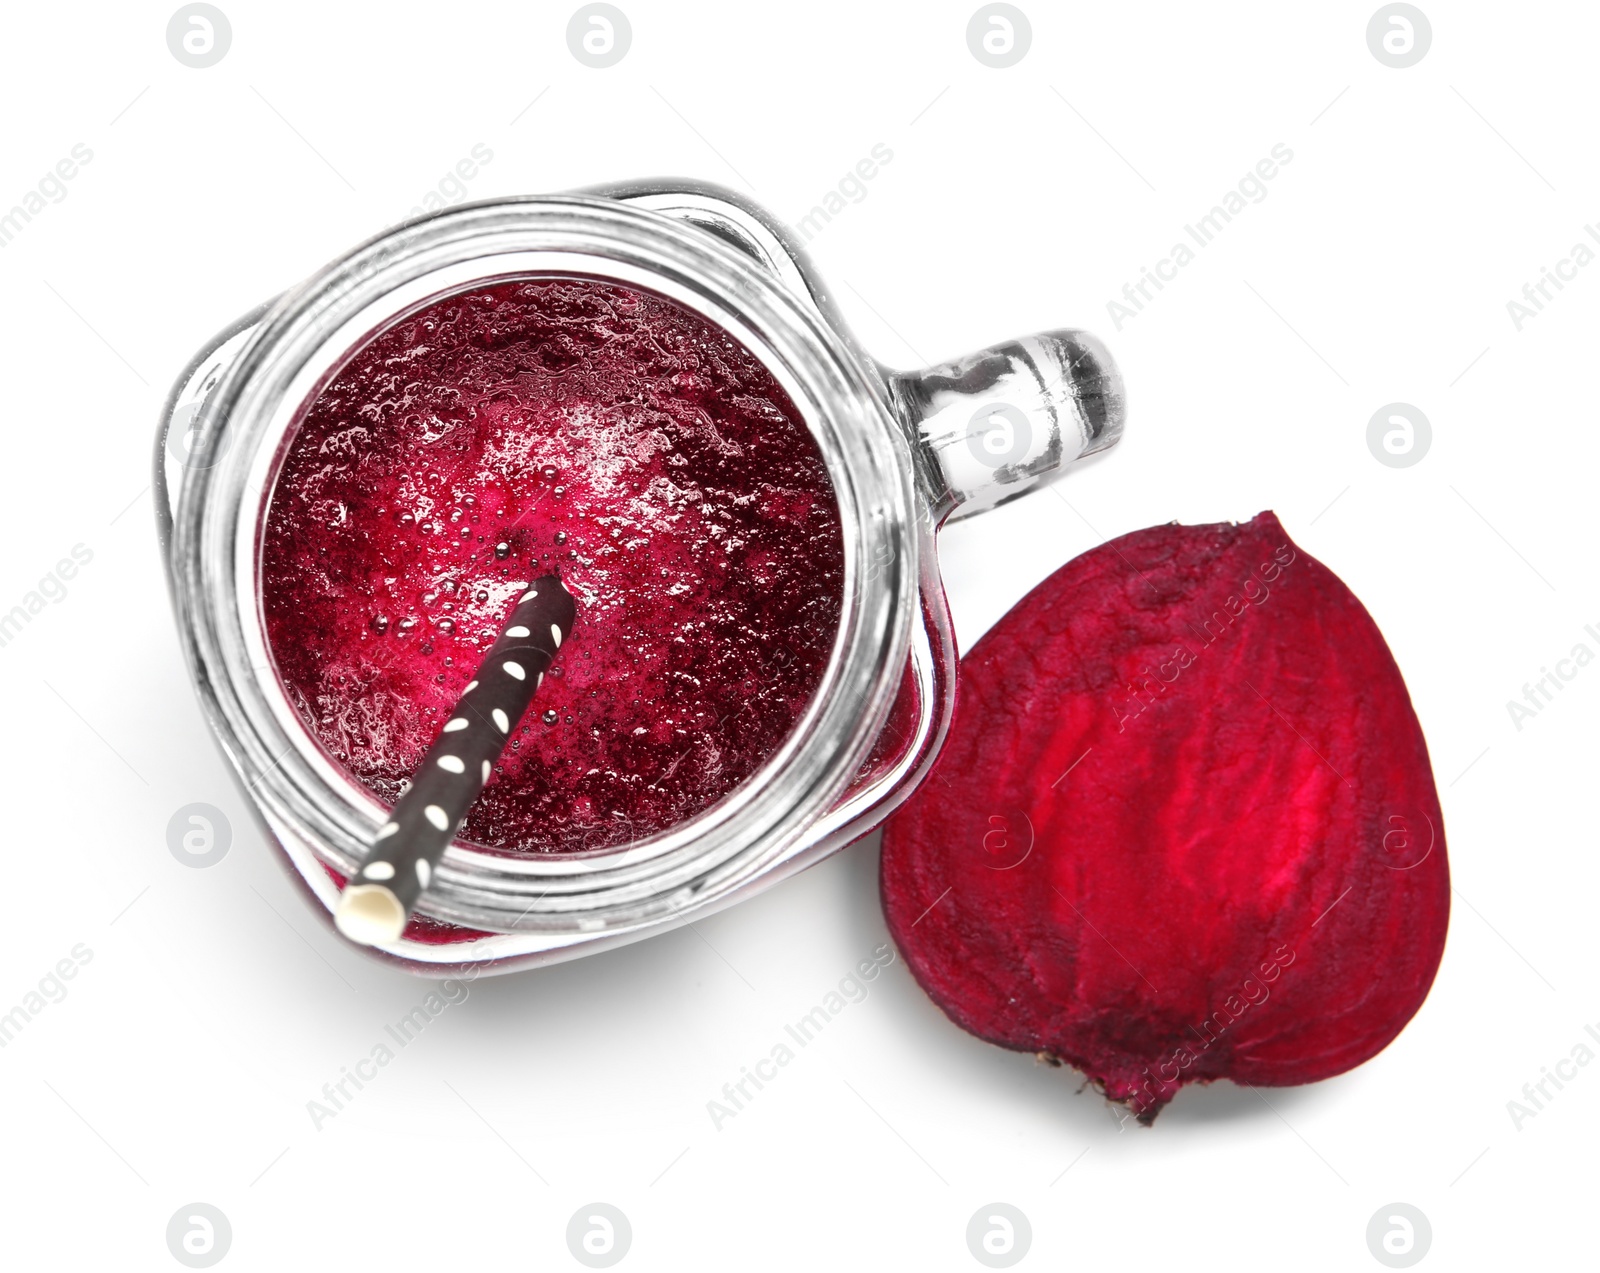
<point x="1418" y="202"/>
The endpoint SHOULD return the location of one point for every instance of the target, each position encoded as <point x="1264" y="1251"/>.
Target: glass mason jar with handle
<point x="905" y="451"/>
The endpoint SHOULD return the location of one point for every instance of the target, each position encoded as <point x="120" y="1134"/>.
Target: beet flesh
<point x="1184" y="826"/>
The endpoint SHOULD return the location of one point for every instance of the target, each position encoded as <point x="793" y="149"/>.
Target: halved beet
<point x="1184" y="827"/>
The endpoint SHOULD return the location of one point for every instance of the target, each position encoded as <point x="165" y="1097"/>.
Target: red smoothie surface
<point x="563" y="424"/>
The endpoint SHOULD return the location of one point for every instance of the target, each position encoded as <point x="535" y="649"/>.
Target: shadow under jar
<point x="646" y="388"/>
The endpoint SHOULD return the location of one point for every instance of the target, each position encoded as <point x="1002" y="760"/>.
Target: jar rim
<point x="307" y="333"/>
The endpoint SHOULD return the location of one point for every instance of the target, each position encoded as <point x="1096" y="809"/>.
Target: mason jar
<point x="905" y="452"/>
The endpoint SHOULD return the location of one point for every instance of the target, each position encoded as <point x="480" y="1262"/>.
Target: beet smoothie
<point x="568" y="425"/>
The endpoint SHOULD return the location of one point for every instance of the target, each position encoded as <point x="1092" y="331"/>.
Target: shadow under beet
<point x="1202" y="1104"/>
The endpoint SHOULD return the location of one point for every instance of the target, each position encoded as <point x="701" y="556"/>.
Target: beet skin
<point x="1184" y="827"/>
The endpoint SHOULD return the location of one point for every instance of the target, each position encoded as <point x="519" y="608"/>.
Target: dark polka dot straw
<point x="378" y="899"/>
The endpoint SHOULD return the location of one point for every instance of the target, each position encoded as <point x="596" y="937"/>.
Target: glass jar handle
<point x="997" y="423"/>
